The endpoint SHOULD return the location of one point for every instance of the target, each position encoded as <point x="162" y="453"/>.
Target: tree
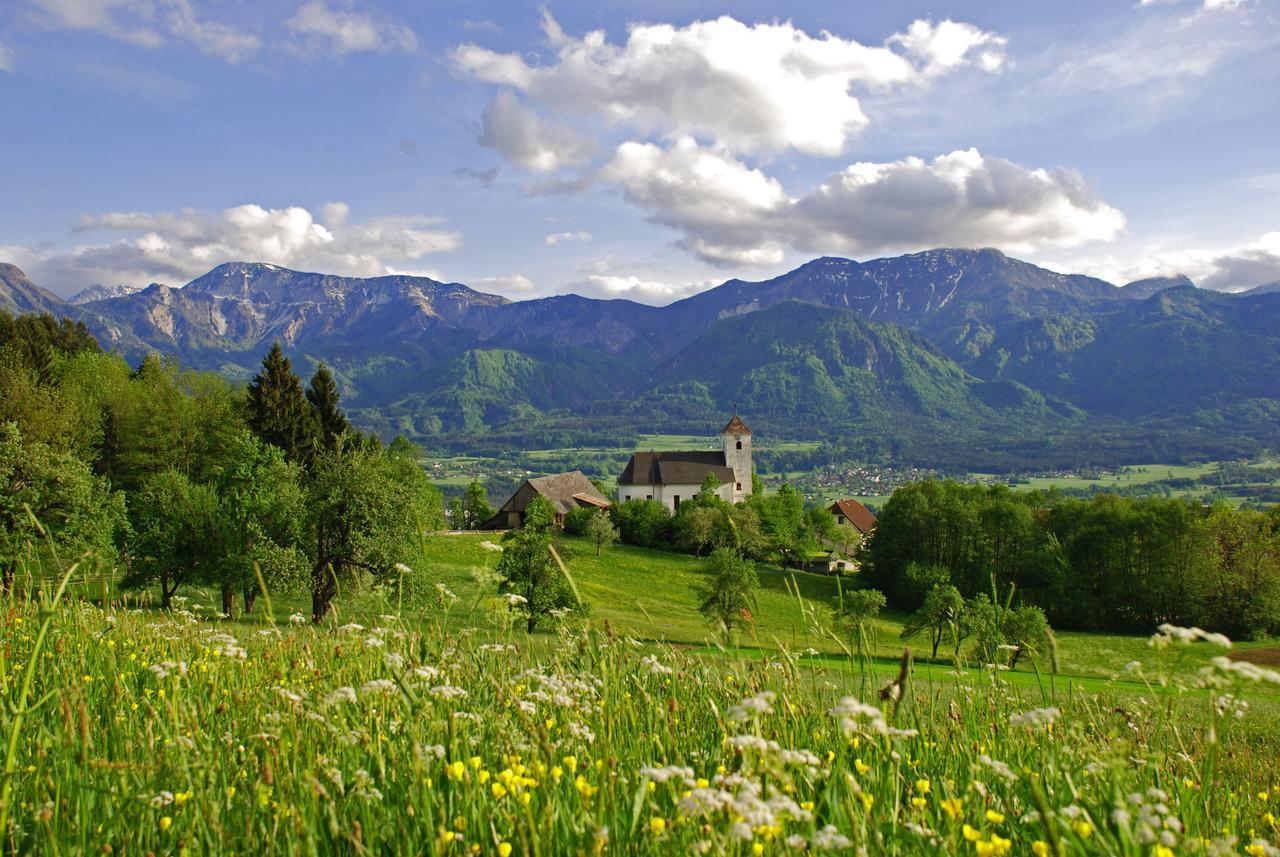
<point x="457" y="514"/>
<point x="981" y="619"/>
<point x="330" y="422"/>
<point x="729" y="590"/>
<point x="178" y="537"/>
<point x="643" y="523"/>
<point x="940" y="613"/>
<point x="1027" y="629"/>
<point x="367" y="511"/>
<point x="279" y="412"/>
<point x="782" y="519"/>
<point x="529" y="568"/>
<point x="856" y="609"/>
<point x="601" y="531"/>
<point x="72" y="509"/>
<point x="475" y="505"/>
<point x="262" y="512"/>
<point x="695" y="528"/>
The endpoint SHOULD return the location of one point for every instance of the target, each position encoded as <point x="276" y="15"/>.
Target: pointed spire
<point x="735" y="426"/>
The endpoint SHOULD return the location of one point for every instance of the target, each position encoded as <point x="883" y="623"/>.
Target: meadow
<point x="422" y="719"/>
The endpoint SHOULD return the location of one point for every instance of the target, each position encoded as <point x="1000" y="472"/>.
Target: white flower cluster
<point x="752" y="706"/>
<point x="1036" y="717"/>
<point x="1221" y="668"/>
<point x="224" y="644"/>
<point x="652" y="666"/>
<point x="1148" y="818"/>
<point x="856" y="716"/>
<point x="1166" y="634"/>
<point x="662" y="775"/>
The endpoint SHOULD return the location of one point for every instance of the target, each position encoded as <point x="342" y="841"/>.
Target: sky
<point x="643" y="150"/>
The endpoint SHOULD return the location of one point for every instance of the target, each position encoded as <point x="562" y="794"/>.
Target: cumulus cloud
<point x="507" y="285"/>
<point x="730" y="214"/>
<point x="150" y="23"/>
<point x="1229" y="269"/>
<point x="175" y="247"/>
<point x="339" y="31"/>
<point x="524" y="138"/>
<point x="762" y="87"/>
<point x="656" y="292"/>
<point x="561" y="237"/>
<point x="6" y="58"/>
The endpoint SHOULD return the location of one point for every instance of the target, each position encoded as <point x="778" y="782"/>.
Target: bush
<point x="576" y="521"/>
<point x="643" y="523"/>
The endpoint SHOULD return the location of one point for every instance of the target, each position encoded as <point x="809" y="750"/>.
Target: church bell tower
<point x="735" y="440"/>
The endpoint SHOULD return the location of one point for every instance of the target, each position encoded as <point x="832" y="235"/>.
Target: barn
<point x="565" y="491"/>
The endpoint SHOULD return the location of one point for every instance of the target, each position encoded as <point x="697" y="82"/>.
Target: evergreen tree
<point x="279" y="412"/>
<point x="323" y="396"/>
<point x="476" y="506"/>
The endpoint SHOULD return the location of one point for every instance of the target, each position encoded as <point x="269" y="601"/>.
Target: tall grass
<point x="170" y="733"/>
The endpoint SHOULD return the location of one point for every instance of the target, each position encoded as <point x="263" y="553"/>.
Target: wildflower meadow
<point x="131" y="730"/>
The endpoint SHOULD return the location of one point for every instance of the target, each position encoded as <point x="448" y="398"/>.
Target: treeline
<point x="764" y="527"/>
<point x="180" y="478"/>
<point x="1107" y="564"/>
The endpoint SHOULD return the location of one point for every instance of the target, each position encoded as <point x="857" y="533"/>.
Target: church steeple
<point x="735" y="440"/>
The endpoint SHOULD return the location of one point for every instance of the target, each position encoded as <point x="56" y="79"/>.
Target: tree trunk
<point x="6" y="578"/>
<point x="533" y="621"/>
<point x="228" y="599"/>
<point x="321" y="591"/>
<point x="250" y="595"/>
<point x="166" y="595"/>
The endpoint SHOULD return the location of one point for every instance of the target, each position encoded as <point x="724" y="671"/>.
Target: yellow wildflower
<point x="657" y="825"/>
<point x="1040" y="848"/>
<point x="919" y="802"/>
<point x="952" y="806"/>
<point x="995" y="817"/>
<point x="970" y="834"/>
<point x="166" y="822"/>
<point x="923" y="786"/>
<point x="504" y="849"/>
<point x="861" y="766"/>
<point x="1083" y="829"/>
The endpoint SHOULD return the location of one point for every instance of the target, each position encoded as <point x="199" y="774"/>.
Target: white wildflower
<point x="378" y="685"/>
<point x="297" y="619"/>
<point x="340" y="695"/>
<point x="1036" y="717"/>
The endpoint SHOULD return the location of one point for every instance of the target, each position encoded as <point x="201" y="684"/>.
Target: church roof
<point x="675" y="468"/>
<point x="736" y="426"/>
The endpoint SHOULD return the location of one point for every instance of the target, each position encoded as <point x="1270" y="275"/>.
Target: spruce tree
<point x="323" y="396"/>
<point x="278" y="411"/>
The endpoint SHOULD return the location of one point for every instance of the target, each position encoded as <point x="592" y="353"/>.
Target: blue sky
<point x="642" y="150"/>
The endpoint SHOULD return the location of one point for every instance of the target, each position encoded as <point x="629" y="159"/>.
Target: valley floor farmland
<point x="426" y="723"/>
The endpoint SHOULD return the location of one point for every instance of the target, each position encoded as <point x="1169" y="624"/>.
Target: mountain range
<point x="947" y="355"/>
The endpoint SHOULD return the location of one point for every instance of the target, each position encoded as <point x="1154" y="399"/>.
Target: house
<point x="565" y="491"/>
<point x="831" y="563"/>
<point x="670" y="477"/>
<point x="851" y="513"/>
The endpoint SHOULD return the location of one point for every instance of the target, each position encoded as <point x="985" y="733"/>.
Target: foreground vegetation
<point x="137" y="731"/>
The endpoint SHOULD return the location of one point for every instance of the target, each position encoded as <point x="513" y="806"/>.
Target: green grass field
<point x="424" y="720"/>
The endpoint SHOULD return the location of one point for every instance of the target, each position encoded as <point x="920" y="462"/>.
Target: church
<point x="670" y="477"/>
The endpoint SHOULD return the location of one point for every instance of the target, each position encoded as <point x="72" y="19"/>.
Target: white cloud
<point x="6" y="58"/>
<point x="527" y="140"/>
<point x="762" y="87"/>
<point x="730" y="214"/>
<point x="1228" y="269"/>
<point x="340" y="32"/>
<point x="149" y="23"/>
<point x="612" y="287"/>
<point x="177" y="246"/>
<point x="1165" y="55"/>
<point x="561" y="237"/>
<point x="507" y="285"/>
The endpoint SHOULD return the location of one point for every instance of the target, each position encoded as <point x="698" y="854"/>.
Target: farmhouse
<point x="565" y="491"/>
<point x="851" y="513"/>
<point x="670" y="477"/>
